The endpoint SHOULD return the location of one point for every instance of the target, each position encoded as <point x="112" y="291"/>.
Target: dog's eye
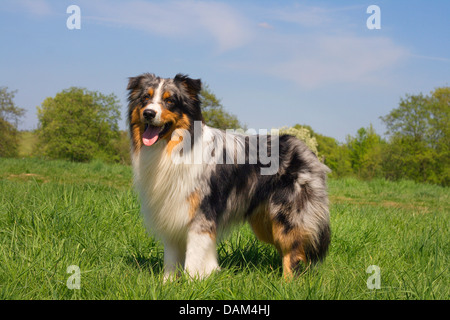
<point x="170" y="101"/>
<point x="146" y="98"/>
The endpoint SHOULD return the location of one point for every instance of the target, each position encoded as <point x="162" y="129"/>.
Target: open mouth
<point x="152" y="133"/>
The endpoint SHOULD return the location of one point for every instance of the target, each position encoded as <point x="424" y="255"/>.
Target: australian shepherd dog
<point x="195" y="181"/>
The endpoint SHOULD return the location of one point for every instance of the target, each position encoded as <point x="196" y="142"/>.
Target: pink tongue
<point x="150" y="135"/>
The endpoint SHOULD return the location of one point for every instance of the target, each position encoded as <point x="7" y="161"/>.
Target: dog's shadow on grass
<point x="234" y="257"/>
<point x="146" y="262"/>
<point x="250" y="256"/>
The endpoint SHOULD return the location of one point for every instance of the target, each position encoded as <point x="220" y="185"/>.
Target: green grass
<point x="54" y="214"/>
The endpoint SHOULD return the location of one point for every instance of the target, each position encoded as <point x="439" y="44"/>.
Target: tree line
<point x="82" y="125"/>
<point x="415" y="146"/>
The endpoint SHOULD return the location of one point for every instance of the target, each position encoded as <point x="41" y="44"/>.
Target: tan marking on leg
<point x="289" y="244"/>
<point x="291" y="247"/>
<point x="194" y="203"/>
<point x="287" y="268"/>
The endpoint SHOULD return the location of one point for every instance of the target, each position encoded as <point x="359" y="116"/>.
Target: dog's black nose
<point x="149" y="114"/>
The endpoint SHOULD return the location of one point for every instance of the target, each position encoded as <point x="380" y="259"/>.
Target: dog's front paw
<point x="202" y="273"/>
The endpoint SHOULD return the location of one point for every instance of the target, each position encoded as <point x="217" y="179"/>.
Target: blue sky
<point x="272" y="63"/>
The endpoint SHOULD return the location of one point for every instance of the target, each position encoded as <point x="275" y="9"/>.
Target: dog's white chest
<point x="164" y="189"/>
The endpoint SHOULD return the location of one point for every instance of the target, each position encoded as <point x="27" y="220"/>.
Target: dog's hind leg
<point x="287" y="238"/>
<point x="293" y="257"/>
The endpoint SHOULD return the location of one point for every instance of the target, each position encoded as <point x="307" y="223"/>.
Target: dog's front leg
<point x="201" y="254"/>
<point x="174" y="256"/>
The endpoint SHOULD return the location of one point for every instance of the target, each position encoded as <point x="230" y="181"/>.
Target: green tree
<point x="214" y="113"/>
<point x="9" y="119"/>
<point x="79" y="125"/>
<point x="419" y="138"/>
<point x="122" y="148"/>
<point x="439" y="105"/>
<point x="366" y="153"/>
<point x="334" y="154"/>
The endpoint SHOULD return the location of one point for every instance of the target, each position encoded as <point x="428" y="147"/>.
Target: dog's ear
<point x="192" y="86"/>
<point x="134" y="82"/>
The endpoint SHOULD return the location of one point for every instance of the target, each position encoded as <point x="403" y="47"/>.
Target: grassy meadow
<point x="54" y="214"/>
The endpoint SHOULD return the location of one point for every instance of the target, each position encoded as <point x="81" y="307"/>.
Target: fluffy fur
<point x="188" y="206"/>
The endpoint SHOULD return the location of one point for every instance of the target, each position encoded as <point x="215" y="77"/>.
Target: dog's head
<point x="159" y="106"/>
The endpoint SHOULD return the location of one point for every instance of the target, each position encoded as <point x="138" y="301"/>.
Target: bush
<point x="79" y="125"/>
<point x="302" y="134"/>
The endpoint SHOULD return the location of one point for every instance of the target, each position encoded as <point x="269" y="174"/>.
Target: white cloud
<point x="430" y="58"/>
<point x="322" y="60"/>
<point x="305" y="16"/>
<point x="302" y="15"/>
<point x="305" y="53"/>
<point x="315" y="46"/>
<point x="178" y="19"/>
<point x="312" y="53"/>
<point x="265" y="25"/>
<point x="35" y="7"/>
